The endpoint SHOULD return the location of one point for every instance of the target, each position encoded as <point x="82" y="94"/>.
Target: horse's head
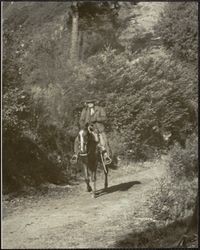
<point x="93" y="135"/>
<point x="88" y="138"/>
<point x="83" y="138"/>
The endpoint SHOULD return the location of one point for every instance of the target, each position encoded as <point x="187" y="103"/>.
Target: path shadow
<point x="119" y="187"/>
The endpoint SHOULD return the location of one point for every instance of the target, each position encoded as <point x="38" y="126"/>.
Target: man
<point x="93" y="115"/>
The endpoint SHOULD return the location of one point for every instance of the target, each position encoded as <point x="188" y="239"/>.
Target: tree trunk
<point x="81" y="46"/>
<point x="74" y="34"/>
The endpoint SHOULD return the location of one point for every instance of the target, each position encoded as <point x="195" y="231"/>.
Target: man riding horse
<point x="92" y="117"/>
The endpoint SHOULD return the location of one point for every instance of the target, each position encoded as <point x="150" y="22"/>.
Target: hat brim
<point x="91" y="101"/>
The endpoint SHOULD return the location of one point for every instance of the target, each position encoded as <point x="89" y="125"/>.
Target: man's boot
<point x="105" y="150"/>
<point x="74" y="159"/>
<point x="106" y="158"/>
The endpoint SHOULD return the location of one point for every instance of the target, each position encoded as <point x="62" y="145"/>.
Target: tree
<point x="74" y="33"/>
<point x="178" y="29"/>
<point x="93" y="25"/>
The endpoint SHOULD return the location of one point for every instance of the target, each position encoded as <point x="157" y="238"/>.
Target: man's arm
<point x="102" y="115"/>
<point x="82" y="119"/>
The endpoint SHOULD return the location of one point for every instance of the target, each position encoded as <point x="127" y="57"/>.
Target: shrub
<point x="173" y="201"/>
<point x="184" y="162"/>
<point x="175" y="196"/>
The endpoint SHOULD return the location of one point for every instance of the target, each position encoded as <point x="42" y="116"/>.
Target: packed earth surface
<point x="68" y="216"/>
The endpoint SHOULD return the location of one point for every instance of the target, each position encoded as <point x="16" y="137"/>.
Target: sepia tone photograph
<point x="99" y="124"/>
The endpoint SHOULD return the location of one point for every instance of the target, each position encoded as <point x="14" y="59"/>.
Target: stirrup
<point x="101" y="149"/>
<point x="108" y="160"/>
<point x="83" y="154"/>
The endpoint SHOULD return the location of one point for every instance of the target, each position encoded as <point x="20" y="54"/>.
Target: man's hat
<point x="91" y="101"/>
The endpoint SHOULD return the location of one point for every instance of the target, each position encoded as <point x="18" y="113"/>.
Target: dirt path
<point x="67" y="217"/>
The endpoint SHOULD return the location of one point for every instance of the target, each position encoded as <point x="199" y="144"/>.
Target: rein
<point x="91" y="132"/>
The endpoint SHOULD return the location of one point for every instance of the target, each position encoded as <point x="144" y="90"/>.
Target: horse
<point x="89" y="156"/>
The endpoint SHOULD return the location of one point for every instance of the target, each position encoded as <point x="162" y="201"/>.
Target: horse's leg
<point x="87" y="179"/>
<point x="94" y="183"/>
<point x="106" y="177"/>
<point x="105" y="169"/>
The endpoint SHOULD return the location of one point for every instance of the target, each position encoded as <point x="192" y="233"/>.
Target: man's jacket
<point x="98" y="118"/>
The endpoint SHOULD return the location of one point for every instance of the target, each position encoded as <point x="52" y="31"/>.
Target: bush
<point x="184" y="162"/>
<point x="175" y="197"/>
<point x="29" y="157"/>
<point x="173" y="201"/>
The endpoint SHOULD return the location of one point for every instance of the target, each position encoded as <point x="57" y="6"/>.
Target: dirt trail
<point x="68" y="217"/>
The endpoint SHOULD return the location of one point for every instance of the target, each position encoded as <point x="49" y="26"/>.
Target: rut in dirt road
<point x="64" y="219"/>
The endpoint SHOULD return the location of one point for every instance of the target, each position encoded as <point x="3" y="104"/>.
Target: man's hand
<point x="91" y="127"/>
<point x="91" y="124"/>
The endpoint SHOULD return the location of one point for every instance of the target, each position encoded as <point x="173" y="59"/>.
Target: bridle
<point x="83" y="142"/>
<point x="95" y="136"/>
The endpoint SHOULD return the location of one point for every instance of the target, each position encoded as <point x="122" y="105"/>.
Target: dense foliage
<point x="178" y="28"/>
<point x="147" y="92"/>
<point x="145" y="99"/>
<point x="176" y="197"/>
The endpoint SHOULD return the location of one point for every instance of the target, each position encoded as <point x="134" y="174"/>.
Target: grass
<point x="156" y="237"/>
